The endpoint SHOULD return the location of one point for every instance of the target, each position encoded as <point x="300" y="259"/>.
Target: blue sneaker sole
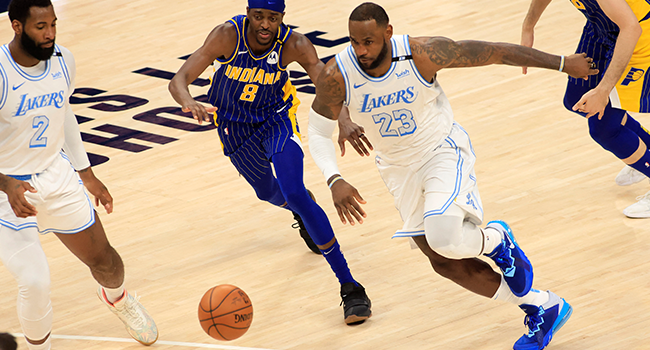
<point x="511" y="236"/>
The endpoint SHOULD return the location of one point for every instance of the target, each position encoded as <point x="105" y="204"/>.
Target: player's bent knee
<point x="452" y="237"/>
<point x="602" y="131"/>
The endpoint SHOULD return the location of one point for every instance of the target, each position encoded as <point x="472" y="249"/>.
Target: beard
<point x="34" y="49"/>
<point x="380" y="58"/>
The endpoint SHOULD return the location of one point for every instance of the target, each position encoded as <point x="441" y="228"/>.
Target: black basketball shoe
<point x="356" y="304"/>
<point x="303" y="231"/>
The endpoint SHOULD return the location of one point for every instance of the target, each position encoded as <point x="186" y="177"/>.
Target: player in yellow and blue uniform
<point x="613" y="37"/>
<point x="254" y="107"/>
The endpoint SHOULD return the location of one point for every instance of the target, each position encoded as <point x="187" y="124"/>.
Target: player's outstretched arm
<point x="15" y="190"/>
<point x="300" y="49"/>
<point x="440" y="52"/>
<point x="330" y="94"/>
<point x="220" y="43"/>
<point x="535" y="11"/>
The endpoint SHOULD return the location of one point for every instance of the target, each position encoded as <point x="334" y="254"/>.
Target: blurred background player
<point x="255" y="106"/>
<point x="426" y="159"/>
<point x="41" y="192"/>
<point x="617" y="37"/>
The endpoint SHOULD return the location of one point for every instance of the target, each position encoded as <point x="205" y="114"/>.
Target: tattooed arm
<point x="330" y="91"/>
<point x="434" y="53"/>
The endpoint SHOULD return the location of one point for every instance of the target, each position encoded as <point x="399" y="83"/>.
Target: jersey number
<point x="40" y="123"/>
<point x="249" y="92"/>
<point x="578" y="4"/>
<point x="403" y="116"/>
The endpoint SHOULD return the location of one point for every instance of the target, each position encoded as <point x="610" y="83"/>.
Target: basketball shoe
<point x="135" y="317"/>
<point x="629" y="176"/>
<point x="356" y="304"/>
<point x="543" y="322"/>
<point x="303" y="231"/>
<point x="515" y="266"/>
<point x="640" y="209"/>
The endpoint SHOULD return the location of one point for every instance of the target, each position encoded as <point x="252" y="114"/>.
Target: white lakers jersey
<point x="33" y="102"/>
<point x="404" y="116"/>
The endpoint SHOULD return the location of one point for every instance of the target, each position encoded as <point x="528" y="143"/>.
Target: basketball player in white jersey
<point x="426" y="159"/>
<point x="41" y="192"/>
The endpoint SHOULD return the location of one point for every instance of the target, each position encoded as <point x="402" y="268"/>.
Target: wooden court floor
<point x="184" y="221"/>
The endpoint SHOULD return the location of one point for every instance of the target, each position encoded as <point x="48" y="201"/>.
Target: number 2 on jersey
<point x="403" y="116"/>
<point x="40" y="123"/>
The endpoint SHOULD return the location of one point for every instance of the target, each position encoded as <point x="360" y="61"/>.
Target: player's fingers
<point x="362" y="147"/>
<point x="211" y="109"/>
<point x="524" y="70"/>
<point x="358" y="213"/>
<point x="358" y="197"/>
<point x="340" y="212"/>
<point x="29" y="187"/>
<point x="355" y="144"/>
<point x="342" y="147"/>
<point x="348" y="215"/>
<point x="367" y="142"/>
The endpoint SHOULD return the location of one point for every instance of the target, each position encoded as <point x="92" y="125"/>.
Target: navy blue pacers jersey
<point x="247" y="88"/>
<point x="600" y="33"/>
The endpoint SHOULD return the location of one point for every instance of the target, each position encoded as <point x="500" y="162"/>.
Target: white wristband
<point x="561" y="63"/>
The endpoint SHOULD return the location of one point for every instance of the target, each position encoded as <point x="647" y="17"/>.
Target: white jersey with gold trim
<point x="33" y="103"/>
<point x="404" y="116"/>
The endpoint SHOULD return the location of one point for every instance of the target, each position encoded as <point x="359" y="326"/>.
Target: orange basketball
<point x="225" y="312"/>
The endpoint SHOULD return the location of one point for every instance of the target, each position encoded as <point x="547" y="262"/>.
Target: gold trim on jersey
<point x="234" y="53"/>
<point x="290" y="90"/>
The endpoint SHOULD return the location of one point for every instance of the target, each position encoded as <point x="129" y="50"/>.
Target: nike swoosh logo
<point x="329" y="251"/>
<point x="17" y="87"/>
<point x="356" y="86"/>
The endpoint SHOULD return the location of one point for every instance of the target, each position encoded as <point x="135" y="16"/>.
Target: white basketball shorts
<point x="447" y="177"/>
<point x="61" y="201"/>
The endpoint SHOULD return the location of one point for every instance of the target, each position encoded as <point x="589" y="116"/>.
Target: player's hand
<point x="97" y="189"/>
<point x="593" y="103"/>
<point x="579" y="66"/>
<point x="527" y="39"/>
<point x="15" y="190"/>
<point x="353" y="133"/>
<point x="199" y="112"/>
<point x="347" y="201"/>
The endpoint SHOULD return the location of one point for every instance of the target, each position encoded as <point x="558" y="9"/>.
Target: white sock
<point x="491" y="239"/>
<point x="534" y="297"/>
<point x="114" y="294"/>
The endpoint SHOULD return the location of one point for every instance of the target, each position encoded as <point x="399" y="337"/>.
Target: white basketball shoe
<point x="629" y="176"/>
<point x="640" y="209"/>
<point x="135" y="317"/>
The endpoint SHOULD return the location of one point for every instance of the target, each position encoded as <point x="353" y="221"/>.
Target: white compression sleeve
<point x="321" y="147"/>
<point x="73" y="145"/>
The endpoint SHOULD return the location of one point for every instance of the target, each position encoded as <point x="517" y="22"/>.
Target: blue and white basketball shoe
<point x="543" y="322"/>
<point x="515" y="266"/>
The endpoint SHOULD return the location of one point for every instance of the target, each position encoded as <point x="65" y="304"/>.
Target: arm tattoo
<point x="329" y="91"/>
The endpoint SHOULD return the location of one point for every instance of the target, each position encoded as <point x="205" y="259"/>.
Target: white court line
<point x="162" y="342"/>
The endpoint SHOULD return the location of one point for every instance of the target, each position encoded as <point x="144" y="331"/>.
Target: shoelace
<point x="503" y="259"/>
<point x="531" y="321"/>
<point x="644" y="197"/>
<point x="132" y="309"/>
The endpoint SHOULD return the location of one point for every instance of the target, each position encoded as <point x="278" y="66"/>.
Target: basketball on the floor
<point x="225" y="312"/>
